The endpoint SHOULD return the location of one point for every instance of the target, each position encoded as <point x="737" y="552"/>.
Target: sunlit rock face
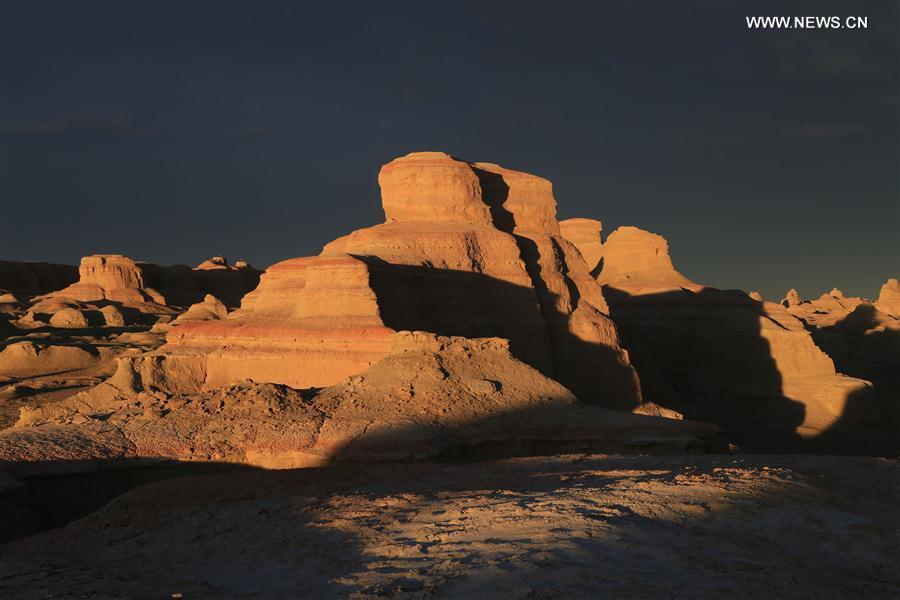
<point x="467" y="249"/>
<point x="889" y="298"/>
<point x="586" y="234"/>
<point x="721" y="355"/>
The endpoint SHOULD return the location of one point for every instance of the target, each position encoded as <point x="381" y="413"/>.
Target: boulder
<point x="69" y="318"/>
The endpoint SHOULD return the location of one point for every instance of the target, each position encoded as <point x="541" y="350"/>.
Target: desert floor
<point x="544" y="527"/>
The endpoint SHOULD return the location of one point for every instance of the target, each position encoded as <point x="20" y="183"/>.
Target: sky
<point x="174" y="131"/>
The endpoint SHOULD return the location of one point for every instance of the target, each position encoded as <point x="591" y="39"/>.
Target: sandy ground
<point x="558" y="527"/>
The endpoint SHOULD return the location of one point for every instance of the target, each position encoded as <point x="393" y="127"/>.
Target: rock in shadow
<point x="473" y="305"/>
<point x="703" y="355"/>
<point x="865" y="344"/>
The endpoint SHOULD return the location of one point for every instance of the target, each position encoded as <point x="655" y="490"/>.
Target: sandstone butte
<point x="466" y="249"/>
<point x="721" y="355"/>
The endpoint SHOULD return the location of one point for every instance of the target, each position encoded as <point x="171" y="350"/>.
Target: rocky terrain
<point x="470" y="325"/>
<point x="562" y="527"/>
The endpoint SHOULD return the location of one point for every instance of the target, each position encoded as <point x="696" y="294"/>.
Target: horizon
<point x="174" y="132"/>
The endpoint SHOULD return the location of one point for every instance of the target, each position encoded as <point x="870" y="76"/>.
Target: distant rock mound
<point x="112" y="277"/>
<point x="467" y="249"/>
<point x="148" y="287"/>
<point x="35" y="278"/>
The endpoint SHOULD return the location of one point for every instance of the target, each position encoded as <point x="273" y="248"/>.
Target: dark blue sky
<point x="171" y="132"/>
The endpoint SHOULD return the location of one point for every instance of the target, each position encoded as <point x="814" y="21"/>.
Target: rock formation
<point x="889" y="298"/>
<point x="149" y="288"/>
<point x="211" y="309"/>
<point x="115" y="278"/>
<point x="719" y="355"/>
<point x="863" y="340"/>
<point x="791" y="299"/>
<point x="467" y="249"/>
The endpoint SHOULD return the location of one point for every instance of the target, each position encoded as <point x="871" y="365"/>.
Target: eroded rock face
<point x="468" y="250"/>
<point x="720" y="355"/>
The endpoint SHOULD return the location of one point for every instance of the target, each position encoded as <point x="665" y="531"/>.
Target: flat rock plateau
<point x="470" y="399"/>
